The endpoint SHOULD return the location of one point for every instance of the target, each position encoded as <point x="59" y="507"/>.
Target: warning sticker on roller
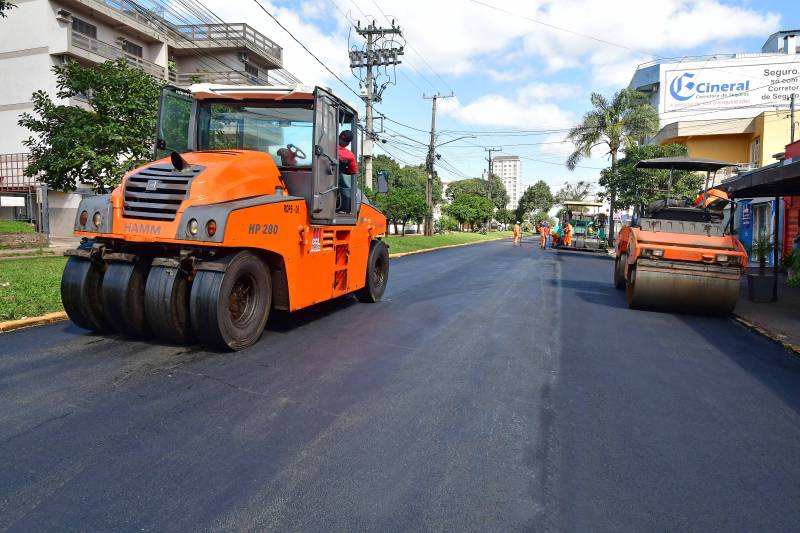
<point x="316" y="240"/>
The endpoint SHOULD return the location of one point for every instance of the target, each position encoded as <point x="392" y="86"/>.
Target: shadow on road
<point x="773" y="366"/>
<point x="284" y="322"/>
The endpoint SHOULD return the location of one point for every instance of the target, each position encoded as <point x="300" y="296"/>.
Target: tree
<point x="470" y="209"/>
<point x="477" y="186"/>
<point x="505" y="216"/>
<point x="618" y="124"/>
<point x="537" y="197"/>
<point x="72" y="144"/>
<point x="5" y="5"/>
<point x="649" y="182"/>
<point x="401" y="206"/>
<point x="575" y="192"/>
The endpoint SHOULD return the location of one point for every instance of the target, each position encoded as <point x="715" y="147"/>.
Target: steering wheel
<point x="296" y="151"/>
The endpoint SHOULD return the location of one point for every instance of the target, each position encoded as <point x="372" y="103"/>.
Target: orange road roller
<point x="678" y="255"/>
<point x="253" y="207"/>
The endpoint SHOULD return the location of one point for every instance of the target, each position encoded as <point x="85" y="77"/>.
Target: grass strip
<point x="30" y="287"/>
<point x="412" y="243"/>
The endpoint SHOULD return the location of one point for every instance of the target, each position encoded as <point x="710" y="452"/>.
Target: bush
<point x="446" y="223"/>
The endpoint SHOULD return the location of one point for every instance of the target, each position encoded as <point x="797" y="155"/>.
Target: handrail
<point x="109" y="51"/>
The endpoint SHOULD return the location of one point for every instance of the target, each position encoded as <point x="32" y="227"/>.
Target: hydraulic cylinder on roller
<point x="682" y="256"/>
<point x="249" y="209"/>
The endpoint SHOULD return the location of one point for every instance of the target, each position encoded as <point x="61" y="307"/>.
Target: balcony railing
<point x="111" y="52"/>
<point x="238" y="34"/>
<point x="226" y="77"/>
<point x="12" y="173"/>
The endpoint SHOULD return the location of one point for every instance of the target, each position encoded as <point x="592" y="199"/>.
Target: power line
<point x="312" y="54"/>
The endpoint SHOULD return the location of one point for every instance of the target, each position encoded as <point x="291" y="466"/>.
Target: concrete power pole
<point x="429" y="162"/>
<point x="378" y="53"/>
<point x="489" y="179"/>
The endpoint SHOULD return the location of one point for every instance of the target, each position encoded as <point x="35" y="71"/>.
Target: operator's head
<point x="345" y="138"/>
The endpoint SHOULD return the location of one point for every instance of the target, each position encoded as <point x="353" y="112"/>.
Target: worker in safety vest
<point x="567" y="234"/>
<point x="516" y="235"/>
<point x="544" y="232"/>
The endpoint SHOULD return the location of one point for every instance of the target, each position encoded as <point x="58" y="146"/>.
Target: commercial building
<point x="509" y="169"/>
<point x="731" y="107"/>
<point x="152" y="35"/>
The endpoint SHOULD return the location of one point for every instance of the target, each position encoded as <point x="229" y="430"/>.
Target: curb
<point x="11" y="325"/>
<point x="426" y="250"/>
<point x="768" y="334"/>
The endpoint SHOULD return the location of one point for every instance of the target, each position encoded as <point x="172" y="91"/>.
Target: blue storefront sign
<point x="746" y="223"/>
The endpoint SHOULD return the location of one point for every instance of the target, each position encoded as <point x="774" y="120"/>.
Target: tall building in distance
<point x="509" y="169"/>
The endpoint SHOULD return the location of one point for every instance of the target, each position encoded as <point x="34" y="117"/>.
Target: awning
<point x="780" y="179"/>
<point x="684" y="163"/>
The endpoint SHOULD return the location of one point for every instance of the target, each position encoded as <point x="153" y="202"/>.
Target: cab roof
<point x="203" y="91"/>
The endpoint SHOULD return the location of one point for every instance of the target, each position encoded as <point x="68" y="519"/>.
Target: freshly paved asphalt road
<point x="494" y="389"/>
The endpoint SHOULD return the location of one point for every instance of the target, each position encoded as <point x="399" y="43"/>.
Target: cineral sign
<point x="728" y="85"/>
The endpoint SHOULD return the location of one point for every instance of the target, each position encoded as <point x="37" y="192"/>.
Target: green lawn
<point x="30" y="287"/>
<point x="409" y="243"/>
<point x="15" y="226"/>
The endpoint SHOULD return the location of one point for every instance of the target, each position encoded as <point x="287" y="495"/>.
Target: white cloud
<point x="469" y="38"/>
<point x="532" y="107"/>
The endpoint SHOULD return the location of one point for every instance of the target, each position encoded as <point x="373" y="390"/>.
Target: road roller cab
<point x="679" y="255"/>
<point x="246" y="211"/>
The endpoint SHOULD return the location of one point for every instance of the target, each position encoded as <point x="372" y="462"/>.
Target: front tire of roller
<point x="230" y="309"/>
<point x="619" y="271"/>
<point x="123" y="297"/>
<point x="166" y="304"/>
<point x="81" y="294"/>
<point x="377" y="273"/>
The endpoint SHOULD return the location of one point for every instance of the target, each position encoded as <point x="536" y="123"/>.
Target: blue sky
<point x="508" y="72"/>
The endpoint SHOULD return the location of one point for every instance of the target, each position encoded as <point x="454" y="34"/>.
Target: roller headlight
<point x="192" y="227"/>
<point x="84" y="218"/>
<point x="97" y="219"/>
<point x="211" y="228"/>
<point x="722" y="258"/>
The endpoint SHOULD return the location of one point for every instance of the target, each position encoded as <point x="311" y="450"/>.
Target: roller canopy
<point x="684" y="163"/>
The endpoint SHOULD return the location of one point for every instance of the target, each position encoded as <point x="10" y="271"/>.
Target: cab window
<point x="271" y="129"/>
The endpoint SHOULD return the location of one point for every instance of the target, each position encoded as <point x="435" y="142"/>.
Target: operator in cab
<point x="347" y="160"/>
<point x="347" y="169"/>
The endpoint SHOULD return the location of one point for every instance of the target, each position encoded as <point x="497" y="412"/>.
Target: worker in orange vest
<point x="567" y="234"/>
<point x="544" y="231"/>
<point x="516" y="235"/>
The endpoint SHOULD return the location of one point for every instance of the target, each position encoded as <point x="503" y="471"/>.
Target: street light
<point x="458" y="139"/>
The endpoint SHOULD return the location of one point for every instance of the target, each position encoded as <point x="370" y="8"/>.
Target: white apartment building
<point x="40" y="34"/>
<point x="509" y="169"/>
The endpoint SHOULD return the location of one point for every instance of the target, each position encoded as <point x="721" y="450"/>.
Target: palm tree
<point x="624" y="121"/>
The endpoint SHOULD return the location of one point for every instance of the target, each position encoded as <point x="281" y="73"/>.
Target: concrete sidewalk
<point x="781" y="319"/>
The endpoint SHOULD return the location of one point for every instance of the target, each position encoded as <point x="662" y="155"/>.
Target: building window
<point x="755" y="153"/>
<point x="84" y="28"/>
<point x="252" y="70"/>
<point x="132" y="48"/>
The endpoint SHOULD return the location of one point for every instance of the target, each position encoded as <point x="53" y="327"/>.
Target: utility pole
<point x="489" y="179"/>
<point x="429" y="162"/>
<point x="379" y="52"/>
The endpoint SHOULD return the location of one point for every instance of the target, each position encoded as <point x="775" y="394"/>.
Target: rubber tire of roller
<point x="166" y="304"/>
<point x="211" y="298"/>
<point x="123" y="297"/>
<point x="81" y="294"/>
<point x="619" y="271"/>
<point x="375" y="285"/>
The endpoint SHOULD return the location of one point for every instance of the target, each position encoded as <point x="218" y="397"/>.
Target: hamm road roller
<point x="680" y="255"/>
<point x="249" y="210"/>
